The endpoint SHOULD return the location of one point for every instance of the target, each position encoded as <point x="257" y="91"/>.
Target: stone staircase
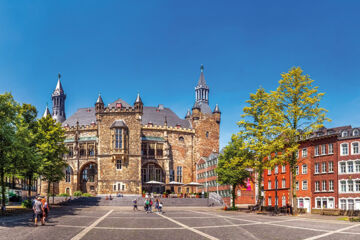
<point x="128" y="201"/>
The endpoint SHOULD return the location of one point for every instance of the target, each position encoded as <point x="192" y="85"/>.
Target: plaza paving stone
<point x="176" y="223"/>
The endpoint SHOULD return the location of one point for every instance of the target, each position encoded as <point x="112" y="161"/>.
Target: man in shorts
<point x="38" y="211"/>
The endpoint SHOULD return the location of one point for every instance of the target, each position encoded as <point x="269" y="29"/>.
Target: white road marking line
<point x="70" y="226"/>
<point x="332" y="232"/>
<point x="81" y="234"/>
<point x="246" y="220"/>
<point x="189" y="228"/>
<point x="119" y="228"/>
<point x="246" y="232"/>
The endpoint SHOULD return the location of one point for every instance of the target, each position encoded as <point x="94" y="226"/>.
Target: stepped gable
<point x="122" y="102"/>
<point x="85" y="116"/>
<point x="156" y="116"/>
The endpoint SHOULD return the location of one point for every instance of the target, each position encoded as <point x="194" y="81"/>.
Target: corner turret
<point x="138" y="105"/>
<point x="99" y="105"/>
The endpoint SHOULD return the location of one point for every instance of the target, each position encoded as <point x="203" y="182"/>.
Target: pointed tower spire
<point x="202" y="93"/>
<point x="58" y="97"/>
<point x="217" y="109"/>
<point x="99" y="105"/>
<point x="99" y="100"/>
<point x="138" y="105"/>
<point x="47" y="112"/>
<point x="188" y="114"/>
<point x="138" y="99"/>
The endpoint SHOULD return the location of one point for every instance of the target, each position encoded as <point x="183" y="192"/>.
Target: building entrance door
<point x="88" y="178"/>
<point x="307" y="204"/>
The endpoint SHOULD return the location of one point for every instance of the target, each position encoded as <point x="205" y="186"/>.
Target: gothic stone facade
<point x="119" y="147"/>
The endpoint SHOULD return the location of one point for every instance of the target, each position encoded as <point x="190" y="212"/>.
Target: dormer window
<point x="356" y="132"/>
<point x="344" y="134"/>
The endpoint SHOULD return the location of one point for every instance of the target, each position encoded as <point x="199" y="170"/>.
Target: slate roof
<point x="85" y="116"/>
<point x="157" y="117"/>
<point x="204" y="107"/>
<point x="118" y="123"/>
<point x="123" y="103"/>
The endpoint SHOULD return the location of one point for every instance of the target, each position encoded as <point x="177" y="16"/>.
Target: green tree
<point x="28" y="163"/>
<point x="298" y="103"/>
<point x="51" y="148"/>
<point x="231" y="167"/>
<point x="8" y="114"/>
<point x="259" y="128"/>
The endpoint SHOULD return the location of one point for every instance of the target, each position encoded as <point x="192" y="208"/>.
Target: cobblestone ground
<point x="176" y="223"/>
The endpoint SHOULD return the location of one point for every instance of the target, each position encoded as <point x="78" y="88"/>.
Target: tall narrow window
<point x="283" y="168"/>
<point x="350" y="185"/>
<point x="331" y="166"/>
<point x="276" y="169"/>
<point x="269" y="184"/>
<point x="304" y="152"/>
<point x="317" y="186"/>
<point x="317" y="169"/>
<point x="159" y="150"/>
<point x="343" y="186"/>
<point x="344" y="149"/>
<point x="304" y="169"/>
<point x="179" y="174"/>
<point x="68" y="174"/>
<point x="342" y="167"/>
<point x="331" y="148"/>
<point x="118" y="138"/>
<point x="151" y="149"/>
<point x="323" y="149"/>
<point x="350" y="167"/>
<point x="355" y="148"/>
<point x="283" y="183"/>
<point x="331" y="185"/>
<point x="304" y="185"/>
<point x="316" y="151"/>
<point x="324" y="185"/>
<point x="323" y="167"/>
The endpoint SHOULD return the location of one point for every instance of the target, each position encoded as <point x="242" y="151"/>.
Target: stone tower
<point x="205" y="122"/>
<point x="58" y="97"/>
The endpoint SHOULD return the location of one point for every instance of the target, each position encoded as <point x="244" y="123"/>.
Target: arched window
<point x="207" y="134"/>
<point x="344" y="134"/>
<point x="68" y="173"/>
<point x="181" y="138"/>
<point x="89" y="172"/>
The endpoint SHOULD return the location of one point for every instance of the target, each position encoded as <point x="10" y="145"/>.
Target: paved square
<point x="176" y="223"/>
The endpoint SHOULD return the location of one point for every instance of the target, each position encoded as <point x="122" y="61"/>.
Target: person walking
<point x="160" y="207"/>
<point x="147" y="205"/>
<point x="38" y="211"/>
<point x="135" y="205"/>
<point x="46" y="209"/>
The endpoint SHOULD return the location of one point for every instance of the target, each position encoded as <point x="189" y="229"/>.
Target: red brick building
<point x="349" y="169"/>
<point x="280" y="177"/>
<point x="328" y="172"/>
<point x="206" y="175"/>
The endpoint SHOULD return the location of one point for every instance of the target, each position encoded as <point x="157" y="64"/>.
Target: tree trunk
<point x="48" y="191"/>
<point x="2" y="183"/>
<point x="259" y="181"/>
<point x="233" y="193"/>
<point x="293" y="199"/>
<point x="53" y="192"/>
<point x="29" y="185"/>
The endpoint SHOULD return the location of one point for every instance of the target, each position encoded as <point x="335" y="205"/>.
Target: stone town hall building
<point x="118" y="147"/>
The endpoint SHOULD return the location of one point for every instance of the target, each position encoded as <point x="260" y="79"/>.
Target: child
<point x="135" y="205"/>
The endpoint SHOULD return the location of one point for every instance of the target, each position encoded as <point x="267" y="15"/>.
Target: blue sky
<point x="154" y="47"/>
